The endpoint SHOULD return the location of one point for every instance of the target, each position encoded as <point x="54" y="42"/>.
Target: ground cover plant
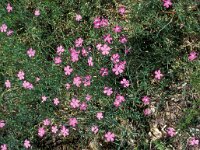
<point x="100" y="75"/>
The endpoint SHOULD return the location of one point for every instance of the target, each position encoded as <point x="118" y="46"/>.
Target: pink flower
<point x="27" y="85"/>
<point x="87" y="80"/>
<point x="77" y="81"/>
<point x="68" y="70"/>
<point x="56" y="101"/>
<point x="60" y="49"/>
<point x="108" y="91"/>
<point x="192" y="56"/>
<point x="57" y="60"/>
<point x="8" y="84"/>
<point x="41" y="131"/>
<point x="107" y="38"/>
<point x="74" y="55"/>
<point x="88" y="97"/>
<point x="158" y="74"/>
<point x="171" y="132"/>
<point x="37" y="79"/>
<point x="193" y="141"/>
<point x="78" y="17"/>
<point x="90" y="62"/>
<point x="44" y="98"/>
<point x="3" y="28"/>
<point x="4" y="147"/>
<point x="98" y="23"/>
<point x="54" y="129"/>
<point x="124" y="83"/>
<point x="105" y="49"/>
<point x="119" y="68"/>
<point x="109" y="136"/>
<point x="83" y="106"/>
<point x="117" y="29"/>
<point x="75" y="103"/>
<point x="147" y="112"/>
<point x="104" y="22"/>
<point x="123" y="39"/>
<point x="118" y="100"/>
<point x="9" y="32"/>
<point x="73" y="122"/>
<point x="95" y="129"/>
<point x="98" y="46"/>
<point x="37" y="12"/>
<point x="46" y="122"/>
<point x="167" y="3"/>
<point x="79" y="42"/>
<point x="122" y="10"/>
<point x="9" y="8"/>
<point x="67" y="86"/>
<point x="84" y="52"/>
<point x="115" y="58"/>
<point x="103" y="72"/>
<point x="27" y="144"/>
<point x="20" y="75"/>
<point x="99" y="115"/>
<point x="2" y="123"/>
<point x="64" y="131"/>
<point x="31" y="52"/>
<point x="146" y="100"/>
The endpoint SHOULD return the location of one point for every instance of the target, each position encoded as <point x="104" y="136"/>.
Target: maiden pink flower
<point x="147" y="111"/>
<point x="37" y="79"/>
<point x="56" y="101"/>
<point x="9" y="8"/>
<point x="167" y="3"/>
<point x="64" y="131"/>
<point x="4" y="147"/>
<point x="75" y="103"/>
<point x="31" y="52"/>
<point x="119" y="68"/>
<point x="78" y="17"/>
<point x="117" y="29"/>
<point x="9" y="32"/>
<point x="87" y="80"/>
<point x="37" y="12"/>
<point x="79" y="42"/>
<point x="88" y="97"/>
<point x="105" y="49"/>
<point x="146" y="100"/>
<point x="124" y="83"/>
<point x="27" y="85"/>
<point x="108" y="91"/>
<point x="84" y="52"/>
<point x="122" y="10"/>
<point x="83" y="106"/>
<point x="90" y="62"/>
<point x="73" y="122"/>
<point x="158" y="74"/>
<point x="67" y="86"/>
<point x="103" y="72"/>
<point x="41" y="131"/>
<point x="171" y="132"/>
<point x="97" y="22"/>
<point x="123" y="39"/>
<point x="109" y="136"/>
<point x="74" y="55"/>
<point x="104" y="22"/>
<point x="192" y="56"/>
<point x="44" y="98"/>
<point x="27" y="144"/>
<point x="68" y="70"/>
<point x="115" y="58"/>
<point x="193" y="141"/>
<point x="99" y="115"/>
<point x="54" y="129"/>
<point x="20" y="75"/>
<point x="77" y="81"/>
<point x="98" y="46"/>
<point x="57" y="60"/>
<point x="59" y="50"/>
<point x="46" y="122"/>
<point x="118" y="100"/>
<point x="3" y="28"/>
<point x="107" y="38"/>
<point x="2" y="123"/>
<point x="8" y="84"/>
<point x="95" y="129"/>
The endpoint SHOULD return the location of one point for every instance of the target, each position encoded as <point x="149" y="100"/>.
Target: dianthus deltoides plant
<point x="84" y="73"/>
